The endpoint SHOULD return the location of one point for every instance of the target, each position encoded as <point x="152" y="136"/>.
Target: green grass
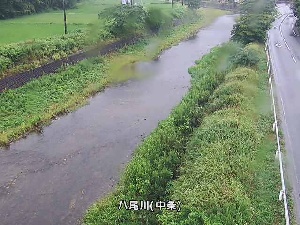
<point x="28" y="31"/>
<point x="24" y="109"/>
<point x="51" y="23"/>
<point x="229" y="174"/>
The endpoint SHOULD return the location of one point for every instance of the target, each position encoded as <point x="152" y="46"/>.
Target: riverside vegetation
<point x="214" y="153"/>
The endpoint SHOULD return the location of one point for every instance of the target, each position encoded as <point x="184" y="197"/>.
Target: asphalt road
<point x="284" y="49"/>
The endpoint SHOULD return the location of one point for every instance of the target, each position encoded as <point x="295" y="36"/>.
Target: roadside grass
<point x="36" y="103"/>
<point x="229" y="174"/>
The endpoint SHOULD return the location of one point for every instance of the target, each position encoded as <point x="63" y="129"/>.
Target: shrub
<point x="258" y="7"/>
<point x="246" y="57"/>
<point x="214" y="181"/>
<point x="124" y="20"/>
<point x="156" y="18"/>
<point x="216" y="165"/>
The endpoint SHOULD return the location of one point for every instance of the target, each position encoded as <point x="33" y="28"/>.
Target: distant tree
<point x="296" y="11"/>
<point x="14" y="8"/>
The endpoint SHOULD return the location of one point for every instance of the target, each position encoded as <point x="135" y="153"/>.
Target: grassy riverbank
<point x="38" y="102"/>
<point x="214" y="154"/>
<point x="229" y="173"/>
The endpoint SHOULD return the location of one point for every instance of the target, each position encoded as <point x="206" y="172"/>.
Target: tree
<point x="252" y="28"/>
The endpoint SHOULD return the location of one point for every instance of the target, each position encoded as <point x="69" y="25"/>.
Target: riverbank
<point x="214" y="153"/>
<point x="35" y="104"/>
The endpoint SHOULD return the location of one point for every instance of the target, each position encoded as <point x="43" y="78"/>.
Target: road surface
<point x="284" y="49"/>
<point x="53" y="177"/>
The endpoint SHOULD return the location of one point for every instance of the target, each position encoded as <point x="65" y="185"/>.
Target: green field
<point x="51" y="23"/>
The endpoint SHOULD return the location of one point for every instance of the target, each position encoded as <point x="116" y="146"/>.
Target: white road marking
<point x="284" y="40"/>
<point x="288" y="137"/>
<point x="285" y="122"/>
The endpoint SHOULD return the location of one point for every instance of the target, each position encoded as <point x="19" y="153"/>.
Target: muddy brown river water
<point x="53" y="177"/>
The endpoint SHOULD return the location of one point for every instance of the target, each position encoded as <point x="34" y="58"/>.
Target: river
<point x="52" y="177"/>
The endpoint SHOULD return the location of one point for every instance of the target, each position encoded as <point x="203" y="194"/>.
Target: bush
<point x="124" y="20"/>
<point x="237" y="91"/>
<point x="258" y="7"/>
<point x="211" y="183"/>
<point x="217" y="174"/>
<point x="156" y="18"/>
<point x="243" y="74"/>
<point x="246" y="57"/>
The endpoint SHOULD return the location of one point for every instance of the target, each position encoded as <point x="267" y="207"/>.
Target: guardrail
<point x="282" y="194"/>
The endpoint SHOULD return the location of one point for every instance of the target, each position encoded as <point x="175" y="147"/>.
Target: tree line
<point x="15" y="8"/>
